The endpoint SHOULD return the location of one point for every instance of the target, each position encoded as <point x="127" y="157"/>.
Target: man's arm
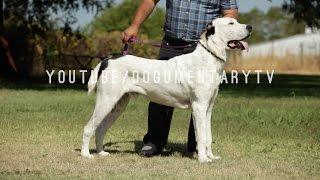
<point x="232" y="13"/>
<point x="229" y="8"/>
<point x="143" y="12"/>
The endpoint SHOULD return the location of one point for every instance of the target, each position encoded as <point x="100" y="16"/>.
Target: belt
<point x="178" y="42"/>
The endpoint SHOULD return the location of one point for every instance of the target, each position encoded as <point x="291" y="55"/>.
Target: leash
<point x="113" y="55"/>
<point x="135" y="40"/>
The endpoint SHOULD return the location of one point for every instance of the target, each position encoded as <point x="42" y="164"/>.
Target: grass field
<point x="264" y="131"/>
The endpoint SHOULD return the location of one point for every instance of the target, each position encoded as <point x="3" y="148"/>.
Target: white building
<point x="302" y="44"/>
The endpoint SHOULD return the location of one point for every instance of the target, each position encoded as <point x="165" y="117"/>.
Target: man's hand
<point x="131" y="31"/>
<point x="142" y="14"/>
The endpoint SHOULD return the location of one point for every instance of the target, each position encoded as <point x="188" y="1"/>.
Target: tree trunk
<point x="1" y="18"/>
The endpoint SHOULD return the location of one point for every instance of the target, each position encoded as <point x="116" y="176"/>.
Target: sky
<point x="244" y="6"/>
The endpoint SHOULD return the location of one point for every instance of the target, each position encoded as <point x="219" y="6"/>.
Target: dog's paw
<point x="89" y="156"/>
<point x="204" y="160"/>
<point x="104" y="153"/>
<point x="213" y="157"/>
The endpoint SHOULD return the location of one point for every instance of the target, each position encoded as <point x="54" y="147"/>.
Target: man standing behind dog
<point x="185" y="21"/>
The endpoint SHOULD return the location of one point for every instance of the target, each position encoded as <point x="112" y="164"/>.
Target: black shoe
<point x="192" y="147"/>
<point x="191" y="150"/>
<point x="148" y="150"/>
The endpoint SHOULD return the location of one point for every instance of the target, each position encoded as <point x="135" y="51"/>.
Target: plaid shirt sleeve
<point x="228" y="4"/>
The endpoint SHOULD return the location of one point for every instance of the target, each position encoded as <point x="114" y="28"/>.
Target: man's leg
<point x="192" y="144"/>
<point x="159" y="120"/>
<point x="159" y="117"/>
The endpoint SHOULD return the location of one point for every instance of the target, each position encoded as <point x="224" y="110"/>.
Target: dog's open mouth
<point x="239" y="44"/>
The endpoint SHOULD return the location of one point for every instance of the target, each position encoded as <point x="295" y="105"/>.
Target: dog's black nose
<point x="249" y="28"/>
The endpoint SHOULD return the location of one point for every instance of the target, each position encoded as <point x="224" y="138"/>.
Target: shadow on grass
<point x="171" y="148"/>
<point x="281" y="85"/>
<point x="41" y="84"/>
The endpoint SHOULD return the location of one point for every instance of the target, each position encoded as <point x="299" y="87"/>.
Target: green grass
<point x="258" y="135"/>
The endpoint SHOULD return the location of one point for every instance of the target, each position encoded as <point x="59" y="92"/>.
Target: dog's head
<point x="226" y="33"/>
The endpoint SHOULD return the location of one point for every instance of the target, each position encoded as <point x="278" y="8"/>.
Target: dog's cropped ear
<point x="210" y="30"/>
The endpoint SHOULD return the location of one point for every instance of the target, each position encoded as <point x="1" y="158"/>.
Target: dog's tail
<point x="92" y="83"/>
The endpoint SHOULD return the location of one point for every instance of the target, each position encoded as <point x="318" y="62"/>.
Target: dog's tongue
<point x="239" y="45"/>
<point x="245" y="45"/>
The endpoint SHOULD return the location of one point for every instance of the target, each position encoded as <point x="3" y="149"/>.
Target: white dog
<point x="209" y="56"/>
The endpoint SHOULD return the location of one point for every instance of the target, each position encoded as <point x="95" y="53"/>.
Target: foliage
<point x="119" y="18"/>
<point x="307" y="11"/>
<point x="24" y="22"/>
<point x="271" y="25"/>
<point x="105" y="30"/>
<point x="59" y="42"/>
<point x="105" y="43"/>
<point x="38" y="12"/>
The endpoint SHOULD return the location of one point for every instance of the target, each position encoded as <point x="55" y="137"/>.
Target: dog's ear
<point x="210" y="30"/>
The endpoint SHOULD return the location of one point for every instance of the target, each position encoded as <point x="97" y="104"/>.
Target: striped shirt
<point x="186" y="19"/>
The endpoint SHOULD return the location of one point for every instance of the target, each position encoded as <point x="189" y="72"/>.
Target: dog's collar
<point x="213" y="54"/>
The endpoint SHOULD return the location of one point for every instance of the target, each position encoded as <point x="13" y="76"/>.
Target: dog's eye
<point x="232" y="23"/>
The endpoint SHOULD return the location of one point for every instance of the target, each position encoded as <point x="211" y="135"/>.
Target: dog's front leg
<point x="208" y="129"/>
<point x="199" y="112"/>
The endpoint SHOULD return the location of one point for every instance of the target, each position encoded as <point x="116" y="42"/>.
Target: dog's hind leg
<point x="108" y="121"/>
<point x="104" y="105"/>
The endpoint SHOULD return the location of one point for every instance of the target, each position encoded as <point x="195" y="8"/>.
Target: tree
<point x="271" y="25"/>
<point x="282" y="25"/>
<point x="258" y="15"/>
<point x="23" y="12"/>
<point x="1" y="17"/>
<point x="302" y="10"/>
<point x="22" y="20"/>
<point x="119" y="17"/>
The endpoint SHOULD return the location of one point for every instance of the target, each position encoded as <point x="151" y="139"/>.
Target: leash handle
<point x="125" y="49"/>
<point x="132" y="39"/>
